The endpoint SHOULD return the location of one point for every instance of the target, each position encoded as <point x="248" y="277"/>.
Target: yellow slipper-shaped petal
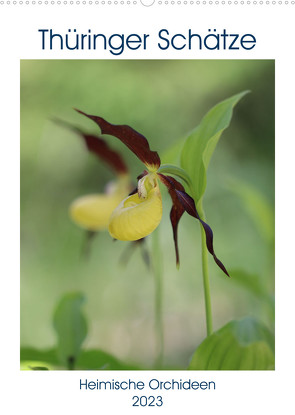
<point x="92" y="212"/>
<point x="136" y="217"/>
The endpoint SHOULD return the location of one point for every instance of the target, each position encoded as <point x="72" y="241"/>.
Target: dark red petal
<point x="99" y="147"/>
<point x="136" y="142"/>
<point x="189" y="205"/>
<point x="177" y="209"/>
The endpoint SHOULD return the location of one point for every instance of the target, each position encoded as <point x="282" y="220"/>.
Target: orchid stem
<point x="205" y="268"/>
<point x="157" y="266"/>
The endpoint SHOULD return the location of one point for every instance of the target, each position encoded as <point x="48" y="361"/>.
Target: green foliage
<point x="32" y="356"/>
<point x="33" y="359"/>
<point x="171" y="154"/>
<point x="201" y="142"/>
<point x="38" y="368"/>
<point x="71" y="327"/>
<point x="239" y="345"/>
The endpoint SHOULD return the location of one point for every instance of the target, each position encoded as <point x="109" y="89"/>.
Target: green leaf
<point x="239" y="345"/>
<point x="200" y="144"/>
<point x="71" y="327"/>
<point x="38" y="367"/>
<point x="259" y="209"/>
<point x="251" y="282"/>
<point x="34" y="365"/>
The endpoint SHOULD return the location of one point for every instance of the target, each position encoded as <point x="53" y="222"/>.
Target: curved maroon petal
<point x="135" y="141"/>
<point x="177" y="209"/>
<point x="189" y="205"/>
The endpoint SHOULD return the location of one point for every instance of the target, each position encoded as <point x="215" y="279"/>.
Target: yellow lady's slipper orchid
<point x="139" y="214"/>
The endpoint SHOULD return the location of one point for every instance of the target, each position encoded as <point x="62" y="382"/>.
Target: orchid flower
<point x="140" y="213"/>
<point x="92" y="212"/>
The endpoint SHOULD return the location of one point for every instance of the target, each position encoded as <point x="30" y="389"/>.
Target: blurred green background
<point x="164" y="100"/>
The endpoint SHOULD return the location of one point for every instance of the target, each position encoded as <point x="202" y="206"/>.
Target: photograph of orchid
<point x="117" y="250"/>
